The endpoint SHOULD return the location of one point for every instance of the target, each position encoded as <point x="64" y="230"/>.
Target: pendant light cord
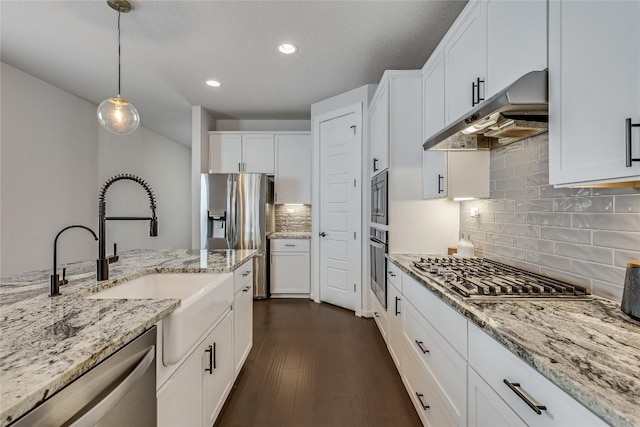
<point x="118" y="53"/>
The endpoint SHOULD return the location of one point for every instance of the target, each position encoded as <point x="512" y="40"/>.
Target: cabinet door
<point x="434" y="172"/>
<point x="258" y="153"/>
<point x="486" y="408"/>
<point x="217" y="369"/>
<point x="290" y="273"/>
<point x="433" y="94"/>
<point x="466" y="61"/>
<point x="516" y="41"/>
<point x="293" y="169"/>
<point x="180" y="398"/>
<point x="242" y="326"/>
<point x="593" y="87"/>
<point x="379" y="135"/>
<point x="225" y="153"/>
<point x="394" y="311"/>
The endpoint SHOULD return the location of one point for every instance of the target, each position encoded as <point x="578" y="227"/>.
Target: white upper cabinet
<point x="491" y="45"/>
<point x="433" y="94"/>
<point x="293" y="168"/>
<point x="241" y="152"/>
<point x="594" y="88"/>
<point x="379" y="131"/>
<point x="516" y="41"/>
<point x="465" y="53"/>
<point x="455" y="174"/>
<point x="225" y="153"/>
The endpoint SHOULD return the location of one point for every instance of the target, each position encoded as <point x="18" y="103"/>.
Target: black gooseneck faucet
<point x="55" y="278"/>
<point x="103" y="261"/>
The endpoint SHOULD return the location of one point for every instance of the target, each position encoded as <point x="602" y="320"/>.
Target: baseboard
<point x="276" y="296"/>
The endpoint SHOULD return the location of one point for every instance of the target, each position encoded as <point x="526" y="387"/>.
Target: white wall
<point x="166" y="166"/>
<point x="262" y="125"/>
<point x="55" y="158"/>
<point x="48" y="173"/>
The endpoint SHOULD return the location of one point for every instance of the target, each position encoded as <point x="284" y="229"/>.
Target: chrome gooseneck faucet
<point x="103" y="261"/>
<point x="55" y="278"/>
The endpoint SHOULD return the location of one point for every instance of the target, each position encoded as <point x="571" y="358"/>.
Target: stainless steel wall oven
<point x="378" y="245"/>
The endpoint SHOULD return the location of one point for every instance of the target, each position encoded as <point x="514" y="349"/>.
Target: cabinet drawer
<point x="242" y="275"/>
<point x="439" y="359"/>
<point x="395" y="275"/>
<point x="451" y="325"/>
<point x="290" y="245"/>
<point x="379" y="315"/>
<point x="423" y="393"/>
<point x="495" y="364"/>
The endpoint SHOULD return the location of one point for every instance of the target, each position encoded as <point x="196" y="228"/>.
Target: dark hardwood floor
<point x="316" y="365"/>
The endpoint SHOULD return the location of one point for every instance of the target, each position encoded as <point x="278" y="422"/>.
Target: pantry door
<point x="340" y="139"/>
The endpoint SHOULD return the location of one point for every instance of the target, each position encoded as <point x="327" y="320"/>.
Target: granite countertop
<point x="590" y="349"/>
<point x="290" y="235"/>
<point x="45" y="343"/>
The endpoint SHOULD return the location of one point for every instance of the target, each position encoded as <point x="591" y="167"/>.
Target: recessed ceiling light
<point x="213" y="83"/>
<point x="288" y="48"/>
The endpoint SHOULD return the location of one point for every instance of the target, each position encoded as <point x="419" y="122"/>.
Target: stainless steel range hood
<point x="517" y="112"/>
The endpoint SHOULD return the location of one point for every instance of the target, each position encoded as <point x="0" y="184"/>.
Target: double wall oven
<point x="378" y="236"/>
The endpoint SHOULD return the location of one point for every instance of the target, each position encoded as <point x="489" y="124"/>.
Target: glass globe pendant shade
<point x="118" y="116"/>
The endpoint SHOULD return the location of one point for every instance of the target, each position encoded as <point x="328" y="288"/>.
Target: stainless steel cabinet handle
<point x="420" y="345"/>
<point x="420" y="396"/>
<point x="397" y="301"/>
<point x="514" y="388"/>
<point x="440" y="179"/>
<point x="98" y="412"/>
<point x="210" y="368"/>
<point x="629" y="127"/>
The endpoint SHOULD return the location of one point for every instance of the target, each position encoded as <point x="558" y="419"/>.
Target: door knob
<point x="323" y="234"/>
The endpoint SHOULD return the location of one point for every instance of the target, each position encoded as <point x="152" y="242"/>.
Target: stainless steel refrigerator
<point x="239" y="214"/>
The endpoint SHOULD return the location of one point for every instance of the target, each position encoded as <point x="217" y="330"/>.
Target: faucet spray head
<point x="153" y="227"/>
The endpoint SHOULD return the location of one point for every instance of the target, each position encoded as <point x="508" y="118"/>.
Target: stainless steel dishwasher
<point x="119" y="391"/>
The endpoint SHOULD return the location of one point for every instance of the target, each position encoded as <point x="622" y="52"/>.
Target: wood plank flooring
<point x="316" y="365"/>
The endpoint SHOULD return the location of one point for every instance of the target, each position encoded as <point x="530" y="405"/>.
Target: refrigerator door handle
<point x="232" y="191"/>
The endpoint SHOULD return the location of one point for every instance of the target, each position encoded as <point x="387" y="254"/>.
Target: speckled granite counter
<point x="290" y="235"/>
<point x="590" y="349"/>
<point x="45" y="343"/>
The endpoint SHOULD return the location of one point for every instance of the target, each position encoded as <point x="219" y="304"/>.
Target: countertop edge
<point x="607" y="413"/>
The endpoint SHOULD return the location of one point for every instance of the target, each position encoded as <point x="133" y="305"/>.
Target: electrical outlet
<point x="475" y="212"/>
<point x="290" y="210"/>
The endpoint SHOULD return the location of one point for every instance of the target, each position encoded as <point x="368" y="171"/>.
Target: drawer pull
<point x="397" y="301"/>
<point x="420" y="345"/>
<point x="210" y="368"/>
<point x="246" y="289"/>
<point x="246" y="273"/>
<point x="514" y="388"/>
<point x="289" y="244"/>
<point x="420" y="396"/>
<point x="392" y="274"/>
<point x="375" y="313"/>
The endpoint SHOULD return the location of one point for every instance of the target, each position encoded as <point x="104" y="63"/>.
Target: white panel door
<point x="379" y="132"/>
<point x="180" y="398"/>
<point x="225" y="153"/>
<point x="217" y="369"/>
<point x="340" y="209"/>
<point x="242" y="325"/>
<point x="293" y="169"/>
<point x="434" y="172"/>
<point x="258" y="153"/>
<point x="290" y="273"/>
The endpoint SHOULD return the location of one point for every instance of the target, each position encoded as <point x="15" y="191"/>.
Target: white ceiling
<point x="169" y="49"/>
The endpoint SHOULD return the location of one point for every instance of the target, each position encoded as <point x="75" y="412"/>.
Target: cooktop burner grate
<point x="477" y="277"/>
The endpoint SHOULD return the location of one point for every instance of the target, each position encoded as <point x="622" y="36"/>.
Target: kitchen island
<point x="45" y="343"/>
<point x="588" y="348"/>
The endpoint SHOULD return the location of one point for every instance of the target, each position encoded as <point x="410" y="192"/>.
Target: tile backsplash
<point x="293" y="218"/>
<point x="581" y="235"/>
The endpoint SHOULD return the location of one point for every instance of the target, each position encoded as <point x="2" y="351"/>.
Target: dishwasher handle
<point x="103" y="407"/>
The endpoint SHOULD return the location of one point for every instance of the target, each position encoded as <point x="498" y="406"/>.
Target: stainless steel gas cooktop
<point x="481" y="278"/>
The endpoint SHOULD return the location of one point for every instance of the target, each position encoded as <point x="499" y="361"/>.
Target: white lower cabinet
<point x="195" y="393"/>
<point x="242" y="325"/>
<point x="216" y="354"/>
<point x="457" y="375"/>
<point x="486" y="408"/>
<point x="290" y="267"/>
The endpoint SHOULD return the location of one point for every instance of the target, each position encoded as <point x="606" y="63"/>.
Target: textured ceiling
<point x="169" y="49"/>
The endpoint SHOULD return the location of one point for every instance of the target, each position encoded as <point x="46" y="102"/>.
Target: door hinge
<point x="354" y="235"/>
<point x="354" y="129"/>
<point x="354" y="182"/>
<point x="354" y="287"/>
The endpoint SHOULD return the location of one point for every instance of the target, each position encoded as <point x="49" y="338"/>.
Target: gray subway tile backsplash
<point x="293" y="218"/>
<point x="582" y="235"/>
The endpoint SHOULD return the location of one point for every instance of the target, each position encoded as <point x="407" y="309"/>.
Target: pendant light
<point x="116" y="114"/>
